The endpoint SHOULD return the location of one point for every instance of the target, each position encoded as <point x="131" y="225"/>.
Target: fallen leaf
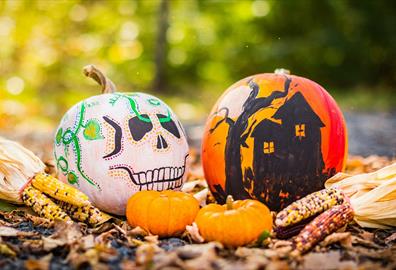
<point x="359" y="241"/>
<point x="137" y="231"/>
<point x="201" y="256"/>
<point x="6" y="250"/>
<point x="145" y="253"/>
<point x="152" y="239"/>
<point x="189" y="252"/>
<point x="344" y="238"/>
<point x="193" y="232"/>
<point x="367" y="235"/>
<point x="390" y="238"/>
<point x="244" y="252"/>
<point x="87" y="242"/>
<point x="201" y="196"/>
<point x="40" y="264"/>
<point x="9" y="231"/>
<point x="65" y="233"/>
<point x="275" y="244"/>
<point x="324" y="261"/>
<point x="190" y="186"/>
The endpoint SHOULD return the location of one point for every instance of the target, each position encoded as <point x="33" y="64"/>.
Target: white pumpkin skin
<point x="112" y="145"/>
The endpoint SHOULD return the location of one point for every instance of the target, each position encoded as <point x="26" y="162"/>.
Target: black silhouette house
<point x="287" y="156"/>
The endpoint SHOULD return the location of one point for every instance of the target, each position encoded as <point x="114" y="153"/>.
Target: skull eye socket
<point x="169" y="126"/>
<point x="139" y="128"/>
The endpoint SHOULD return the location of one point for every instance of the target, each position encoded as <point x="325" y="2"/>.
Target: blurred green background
<point x="189" y="51"/>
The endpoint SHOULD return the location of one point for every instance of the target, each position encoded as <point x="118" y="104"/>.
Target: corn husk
<point x="372" y="195"/>
<point x="17" y="166"/>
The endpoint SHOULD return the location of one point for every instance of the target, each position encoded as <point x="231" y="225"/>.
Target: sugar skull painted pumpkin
<point x="273" y="137"/>
<point x="112" y="145"/>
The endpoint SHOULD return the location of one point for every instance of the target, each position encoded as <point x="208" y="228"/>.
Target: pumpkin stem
<point x="108" y="86"/>
<point x="282" y="71"/>
<point x="229" y="202"/>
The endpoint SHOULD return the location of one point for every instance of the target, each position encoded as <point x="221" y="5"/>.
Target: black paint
<point x="117" y="136"/>
<point x="161" y="142"/>
<point x="169" y="126"/>
<point x="139" y="128"/>
<point x="296" y="164"/>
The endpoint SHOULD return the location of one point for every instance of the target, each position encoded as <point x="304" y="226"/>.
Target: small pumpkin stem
<point x="282" y="71"/>
<point x="229" y="202"/>
<point x="108" y="86"/>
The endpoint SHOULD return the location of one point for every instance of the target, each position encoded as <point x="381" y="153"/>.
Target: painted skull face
<point x="112" y="145"/>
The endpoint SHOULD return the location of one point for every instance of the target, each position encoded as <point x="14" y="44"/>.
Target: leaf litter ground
<point x="31" y="242"/>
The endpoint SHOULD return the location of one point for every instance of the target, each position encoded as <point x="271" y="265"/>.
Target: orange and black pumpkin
<point x="273" y="137"/>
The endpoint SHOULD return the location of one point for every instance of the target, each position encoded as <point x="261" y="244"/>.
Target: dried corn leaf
<point x="372" y="195"/>
<point x="17" y="166"/>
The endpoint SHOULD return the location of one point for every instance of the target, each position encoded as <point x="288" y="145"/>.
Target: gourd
<point x="234" y="224"/>
<point x="273" y="137"/>
<point x="165" y="213"/>
<point x="112" y="145"/>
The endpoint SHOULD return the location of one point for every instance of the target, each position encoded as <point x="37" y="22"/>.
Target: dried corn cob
<point x="87" y="213"/>
<point x="309" y="206"/>
<point x="324" y="224"/>
<point x="43" y="205"/>
<point x="292" y="230"/>
<point x="59" y="190"/>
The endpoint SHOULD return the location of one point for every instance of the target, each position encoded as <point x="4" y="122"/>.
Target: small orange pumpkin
<point x="236" y="223"/>
<point x="163" y="213"/>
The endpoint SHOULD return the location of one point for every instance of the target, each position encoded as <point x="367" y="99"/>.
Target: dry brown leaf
<point x="9" y="231"/>
<point x="6" y="250"/>
<point x="201" y="196"/>
<point x="167" y="261"/>
<point x="384" y="254"/>
<point x="193" y="232"/>
<point x="65" y="234"/>
<point x="40" y="264"/>
<point x="87" y="242"/>
<point x="344" y="238"/>
<point x="208" y="250"/>
<point x="324" y="261"/>
<point x="191" y="185"/>
<point x="275" y="244"/>
<point x="128" y="264"/>
<point x="359" y="241"/>
<point x="152" y="239"/>
<point x="390" y="238"/>
<point x="202" y="256"/>
<point x="369" y="236"/>
<point x="145" y="253"/>
<point x="137" y="231"/>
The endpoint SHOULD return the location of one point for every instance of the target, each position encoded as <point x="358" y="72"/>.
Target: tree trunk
<point x="159" y="83"/>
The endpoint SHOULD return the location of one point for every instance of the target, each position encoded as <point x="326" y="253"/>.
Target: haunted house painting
<point x="287" y="156"/>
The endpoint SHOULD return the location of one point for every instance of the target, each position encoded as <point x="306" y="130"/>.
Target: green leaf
<point x="92" y="130"/>
<point x="7" y="207"/>
<point x="72" y="178"/>
<point x="58" y="137"/>
<point x="264" y="235"/>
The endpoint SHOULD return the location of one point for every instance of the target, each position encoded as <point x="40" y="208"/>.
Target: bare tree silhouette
<point x="235" y="140"/>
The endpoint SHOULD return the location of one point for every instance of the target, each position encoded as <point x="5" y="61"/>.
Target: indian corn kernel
<point x="87" y="213"/>
<point x="309" y="206"/>
<point x="43" y="205"/>
<point x="59" y="190"/>
<point x="326" y="223"/>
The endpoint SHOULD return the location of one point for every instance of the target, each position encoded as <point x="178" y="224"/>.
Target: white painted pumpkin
<point x="112" y="145"/>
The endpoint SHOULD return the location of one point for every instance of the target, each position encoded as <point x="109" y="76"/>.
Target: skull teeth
<point x="165" y="178"/>
<point x="157" y="179"/>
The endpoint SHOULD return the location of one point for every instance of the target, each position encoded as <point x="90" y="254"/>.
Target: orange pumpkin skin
<point x="241" y="225"/>
<point x="274" y="138"/>
<point x="165" y="213"/>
